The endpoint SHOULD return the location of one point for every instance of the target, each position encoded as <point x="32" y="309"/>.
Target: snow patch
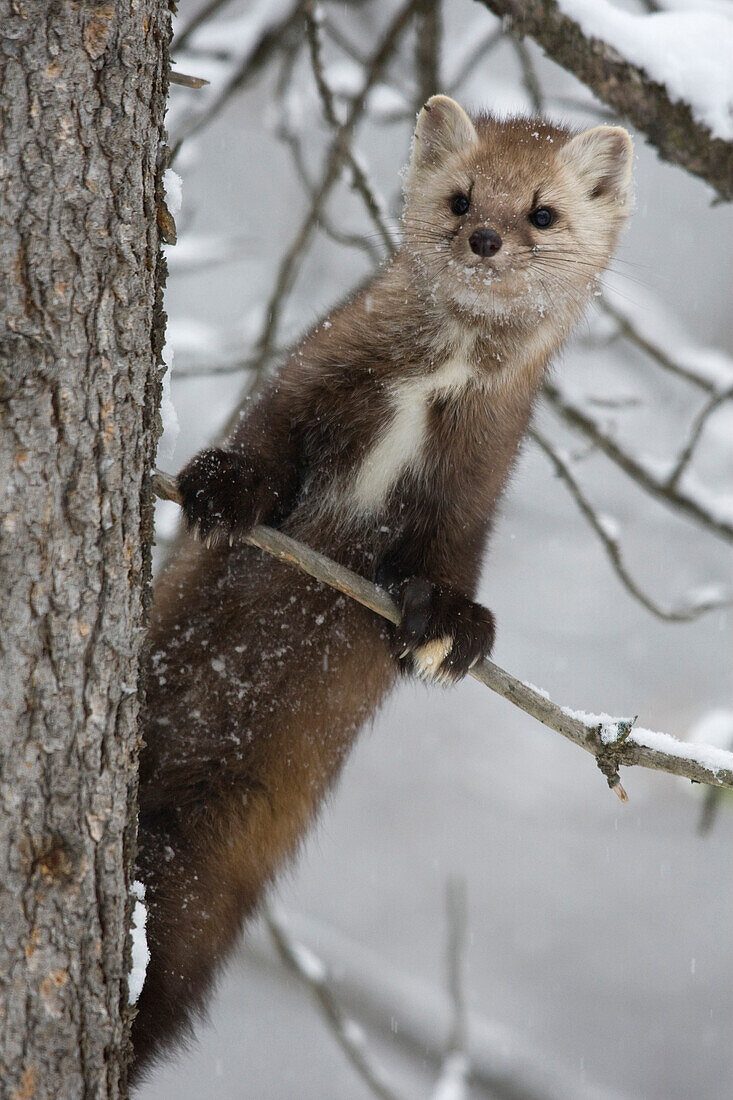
<point x="309" y="964"/>
<point x="173" y="185"/>
<point x="453" y="1081"/>
<point x="536" y="690"/>
<point x="171" y="427"/>
<point x="714" y="728"/>
<point x="140" y="951"/>
<point x="709" y="756"/>
<point x="610" y="728"/>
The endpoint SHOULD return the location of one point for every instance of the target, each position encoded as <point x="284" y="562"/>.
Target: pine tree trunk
<point x="82" y="100"/>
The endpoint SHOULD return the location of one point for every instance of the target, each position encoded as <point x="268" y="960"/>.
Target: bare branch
<point x="293" y="140"/>
<point x="456" y="907"/>
<point x="359" y="176"/>
<point x="206" y="13"/>
<point x="427" y="50"/>
<point x="271" y="39"/>
<point x="683" y="613"/>
<point x="631" y="331"/>
<point x="415" y="1016"/>
<point x="658" y="487"/>
<point x="611" y="741"/>
<point x="207" y="370"/>
<point x="530" y="80"/>
<point x="478" y="54"/>
<point x="187" y="81"/>
<point x="454" y="1073"/>
<point x="698" y="427"/>
<point x="668" y="125"/>
<point x="349" y="1036"/>
<point x="290" y="263"/>
<point x="575" y="103"/>
<point x="338" y="37"/>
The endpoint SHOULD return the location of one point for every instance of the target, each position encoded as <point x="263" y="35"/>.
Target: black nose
<point x="485" y="242"/>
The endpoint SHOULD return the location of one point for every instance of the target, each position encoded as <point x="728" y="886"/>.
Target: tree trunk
<point x="82" y="101"/>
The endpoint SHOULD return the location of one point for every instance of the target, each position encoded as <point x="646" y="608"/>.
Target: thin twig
<point x="530" y="80"/>
<point x="294" y="142"/>
<point x="202" y="16"/>
<point x="359" y="176"/>
<point x="575" y="103"/>
<point x="477" y="54"/>
<point x="696" y="431"/>
<point x="271" y="39"/>
<point x="309" y="968"/>
<point x="611" y="741"/>
<point x="207" y="370"/>
<point x="681" y="614"/>
<point x="338" y="37"/>
<point x="290" y="262"/>
<point x="659" y="488"/>
<point x="187" y="81"/>
<point x="631" y="331"/>
<point x="454" y="1071"/>
<point x="414" y="1018"/>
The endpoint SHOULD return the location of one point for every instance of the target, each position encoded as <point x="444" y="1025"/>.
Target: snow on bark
<point x="140" y="950"/>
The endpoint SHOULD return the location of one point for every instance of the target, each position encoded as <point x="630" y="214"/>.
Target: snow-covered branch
<point x="628" y="62"/>
<point x="347" y="1033"/>
<point x="505" y="1065"/>
<point x="613" y="742"/>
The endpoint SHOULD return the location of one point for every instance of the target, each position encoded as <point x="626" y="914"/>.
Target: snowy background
<point x="600" y="950"/>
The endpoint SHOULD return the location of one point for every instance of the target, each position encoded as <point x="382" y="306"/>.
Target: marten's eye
<point x="459" y="204"/>
<point x="543" y="217"/>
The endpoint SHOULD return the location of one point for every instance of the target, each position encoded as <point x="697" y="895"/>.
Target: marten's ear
<point x="602" y="158"/>
<point x="443" y="127"/>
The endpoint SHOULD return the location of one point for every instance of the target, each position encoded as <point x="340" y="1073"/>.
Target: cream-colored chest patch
<point x="400" y="444"/>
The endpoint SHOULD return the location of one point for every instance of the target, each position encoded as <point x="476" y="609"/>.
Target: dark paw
<point x="222" y="495"/>
<point x="442" y="633"/>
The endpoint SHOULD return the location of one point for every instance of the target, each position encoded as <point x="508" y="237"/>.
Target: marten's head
<point x="514" y="217"/>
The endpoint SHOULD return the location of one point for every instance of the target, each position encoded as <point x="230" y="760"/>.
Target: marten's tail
<point x="194" y="918"/>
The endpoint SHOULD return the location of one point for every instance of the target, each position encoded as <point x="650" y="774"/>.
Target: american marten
<point x="385" y="441"/>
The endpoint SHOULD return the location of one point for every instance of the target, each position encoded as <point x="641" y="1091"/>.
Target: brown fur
<point x="261" y="678"/>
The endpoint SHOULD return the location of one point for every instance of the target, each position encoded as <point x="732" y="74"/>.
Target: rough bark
<point x="669" y="125"/>
<point x="82" y="101"/>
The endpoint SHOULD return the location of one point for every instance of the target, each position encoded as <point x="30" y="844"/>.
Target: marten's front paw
<point x="442" y="634"/>
<point x="222" y="495"/>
